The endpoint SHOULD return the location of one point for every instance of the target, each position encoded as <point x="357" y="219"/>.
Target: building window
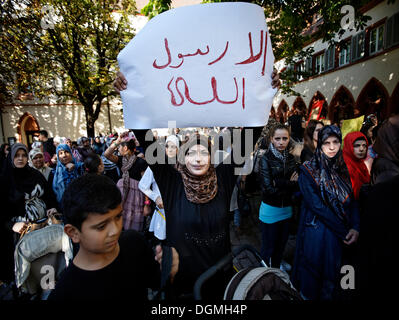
<point x="345" y="54"/>
<point x="299" y="70"/>
<point x="309" y="66"/>
<point x="319" y="63"/>
<point x="376" y="39"/>
<point x="392" y="31"/>
<point x="330" y="58"/>
<point x="357" y="46"/>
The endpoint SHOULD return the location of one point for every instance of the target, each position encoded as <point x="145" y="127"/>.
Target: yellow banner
<point x="351" y="125"/>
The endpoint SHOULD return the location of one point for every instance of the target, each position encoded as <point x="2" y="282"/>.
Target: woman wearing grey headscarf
<point x="25" y="196"/>
<point x="28" y="193"/>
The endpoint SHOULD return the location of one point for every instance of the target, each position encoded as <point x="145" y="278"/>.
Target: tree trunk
<point x="109" y="116"/>
<point x="90" y="130"/>
<point x="89" y="122"/>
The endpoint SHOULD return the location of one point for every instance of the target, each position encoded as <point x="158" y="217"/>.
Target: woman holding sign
<point x="196" y="196"/>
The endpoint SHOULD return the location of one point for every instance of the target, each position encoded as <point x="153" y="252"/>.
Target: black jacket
<point x="277" y="189"/>
<point x="48" y="146"/>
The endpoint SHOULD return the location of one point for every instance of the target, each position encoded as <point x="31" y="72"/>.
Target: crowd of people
<point x="184" y="202"/>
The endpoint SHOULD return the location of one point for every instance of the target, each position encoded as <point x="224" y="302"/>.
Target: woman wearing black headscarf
<point x="379" y="204"/>
<point x="386" y="165"/>
<point x="4" y="150"/>
<point x="329" y="220"/>
<point x="26" y="196"/>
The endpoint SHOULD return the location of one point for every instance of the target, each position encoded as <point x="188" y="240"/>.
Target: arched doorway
<point x="282" y="110"/>
<point x="373" y="99"/>
<point x="300" y="106"/>
<point x="317" y="107"/>
<point x="27" y="129"/>
<point x="342" y="106"/>
<point x="394" y="101"/>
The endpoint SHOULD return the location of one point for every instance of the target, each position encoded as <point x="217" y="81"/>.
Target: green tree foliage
<point x="64" y="48"/>
<point x="155" y="7"/>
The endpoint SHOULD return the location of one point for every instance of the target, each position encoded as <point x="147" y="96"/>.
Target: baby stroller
<point x="253" y="280"/>
<point x="40" y="256"/>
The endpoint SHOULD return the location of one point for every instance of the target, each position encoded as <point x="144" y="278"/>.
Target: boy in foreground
<point x="110" y="264"/>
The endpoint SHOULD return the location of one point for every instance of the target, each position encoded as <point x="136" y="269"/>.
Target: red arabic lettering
<point x="264" y="57"/>
<point x="173" y="99"/>
<point x="187" y="93"/>
<point x="253" y="58"/>
<point x="215" y="93"/>
<point x="220" y="58"/>
<point x="189" y="99"/>
<point x="180" y="56"/>
<point x="243" y="93"/>
<point x="169" y="57"/>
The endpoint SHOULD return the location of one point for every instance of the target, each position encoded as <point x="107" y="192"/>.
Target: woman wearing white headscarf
<point x="150" y="188"/>
<point x="36" y="160"/>
<point x="46" y="155"/>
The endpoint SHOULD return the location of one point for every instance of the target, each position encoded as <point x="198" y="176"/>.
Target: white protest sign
<point x="203" y="65"/>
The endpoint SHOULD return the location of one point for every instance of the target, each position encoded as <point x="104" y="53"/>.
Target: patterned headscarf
<point x="331" y="174"/>
<point x="279" y="155"/>
<point x="32" y="154"/>
<point x="63" y="177"/>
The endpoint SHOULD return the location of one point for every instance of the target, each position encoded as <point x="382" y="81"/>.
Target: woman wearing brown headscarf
<point x="196" y="196"/>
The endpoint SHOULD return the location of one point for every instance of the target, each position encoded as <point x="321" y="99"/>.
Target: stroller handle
<point x="221" y="264"/>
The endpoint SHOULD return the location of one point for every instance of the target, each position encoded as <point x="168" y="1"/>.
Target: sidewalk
<point x="250" y="232"/>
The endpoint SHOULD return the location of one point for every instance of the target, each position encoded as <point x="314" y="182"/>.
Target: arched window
<point x="300" y="106"/>
<point x="342" y="105"/>
<point x="317" y="107"/>
<point x="282" y="112"/>
<point x="373" y="99"/>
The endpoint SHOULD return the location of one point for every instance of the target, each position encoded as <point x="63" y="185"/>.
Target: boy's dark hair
<point x="90" y="193"/>
<point x="92" y="162"/>
<point x="43" y="133"/>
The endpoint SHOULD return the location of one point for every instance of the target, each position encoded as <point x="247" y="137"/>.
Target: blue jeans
<point x="237" y="217"/>
<point x="274" y="238"/>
